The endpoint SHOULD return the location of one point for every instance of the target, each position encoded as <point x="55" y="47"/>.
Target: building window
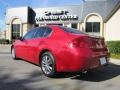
<point x="74" y="25"/>
<point x="15" y="31"/>
<point x="93" y="27"/>
<point x="56" y="24"/>
<point x="36" y="25"/>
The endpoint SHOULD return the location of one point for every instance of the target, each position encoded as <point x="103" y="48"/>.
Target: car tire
<point x="48" y="64"/>
<point x="13" y="53"/>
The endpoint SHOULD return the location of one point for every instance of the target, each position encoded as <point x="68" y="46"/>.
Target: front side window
<point x="93" y="27"/>
<point x="30" y="34"/>
<point x="42" y="32"/>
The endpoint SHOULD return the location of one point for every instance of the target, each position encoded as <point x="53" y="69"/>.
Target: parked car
<point x="61" y="49"/>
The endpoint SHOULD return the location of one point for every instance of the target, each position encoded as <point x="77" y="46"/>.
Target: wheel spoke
<point x="43" y="62"/>
<point x="46" y="57"/>
<point x="49" y="61"/>
<point x="50" y="68"/>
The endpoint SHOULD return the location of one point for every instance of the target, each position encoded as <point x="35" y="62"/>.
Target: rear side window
<point x="42" y="32"/>
<point x="71" y="30"/>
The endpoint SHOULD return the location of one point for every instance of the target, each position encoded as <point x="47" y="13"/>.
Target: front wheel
<point x="48" y="64"/>
<point x="13" y="53"/>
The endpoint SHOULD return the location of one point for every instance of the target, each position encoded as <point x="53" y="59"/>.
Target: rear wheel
<point x="13" y="53"/>
<point x="48" y="64"/>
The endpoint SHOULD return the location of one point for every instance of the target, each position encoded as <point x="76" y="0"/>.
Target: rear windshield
<point x="71" y="30"/>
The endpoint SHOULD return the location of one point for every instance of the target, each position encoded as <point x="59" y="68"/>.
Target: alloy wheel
<point x="47" y="64"/>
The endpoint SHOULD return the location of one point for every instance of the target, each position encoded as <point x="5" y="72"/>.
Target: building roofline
<point x="117" y="6"/>
<point x="18" y="7"/>
<point x="58" y="6"/>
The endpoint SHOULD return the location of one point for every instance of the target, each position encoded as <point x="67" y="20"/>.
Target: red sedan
<point x="61" y="49"/>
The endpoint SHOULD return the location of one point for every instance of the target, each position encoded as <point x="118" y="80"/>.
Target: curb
<point x="115" y="61"/>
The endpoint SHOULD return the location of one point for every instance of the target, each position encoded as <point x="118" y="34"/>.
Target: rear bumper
<point x="81" y="60"/>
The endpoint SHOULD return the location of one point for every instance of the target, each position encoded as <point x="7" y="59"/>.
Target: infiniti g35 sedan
<point x="61" y="49"/>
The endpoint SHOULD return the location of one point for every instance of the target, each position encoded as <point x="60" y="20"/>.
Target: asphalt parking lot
<point x="21" y="75"/>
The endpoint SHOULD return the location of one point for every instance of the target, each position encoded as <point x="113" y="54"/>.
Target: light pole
<point x="82" y="8"/>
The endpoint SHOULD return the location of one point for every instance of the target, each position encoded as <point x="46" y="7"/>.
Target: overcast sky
<point x="4" y="4"/>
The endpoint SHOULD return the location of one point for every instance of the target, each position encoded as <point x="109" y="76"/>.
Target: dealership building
<point x="97" y="17"/>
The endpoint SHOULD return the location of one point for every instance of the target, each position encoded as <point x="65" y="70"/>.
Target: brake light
<point x="103" y="42"/>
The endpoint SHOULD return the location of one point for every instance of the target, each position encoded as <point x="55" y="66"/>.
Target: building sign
<point x="56" y="16"/>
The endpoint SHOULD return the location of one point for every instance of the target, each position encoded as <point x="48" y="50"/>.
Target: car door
<point x="38" y="41"/>
<point x="24" y="44"/>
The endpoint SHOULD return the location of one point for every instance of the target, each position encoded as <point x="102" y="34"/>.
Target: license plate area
<point x="103" y="61"/>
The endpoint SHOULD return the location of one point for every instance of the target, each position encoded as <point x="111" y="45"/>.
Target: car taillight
<point x="79" y="43"/>
<point x="104" y="43"/>
<point x="83" y="44"/>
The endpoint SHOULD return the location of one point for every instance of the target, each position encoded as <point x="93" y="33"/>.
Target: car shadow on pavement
<point x="105" y="73"/>
<point x="7" y="82"/>
<point x="102" y="74"/>
<point x="23" y="82"/>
